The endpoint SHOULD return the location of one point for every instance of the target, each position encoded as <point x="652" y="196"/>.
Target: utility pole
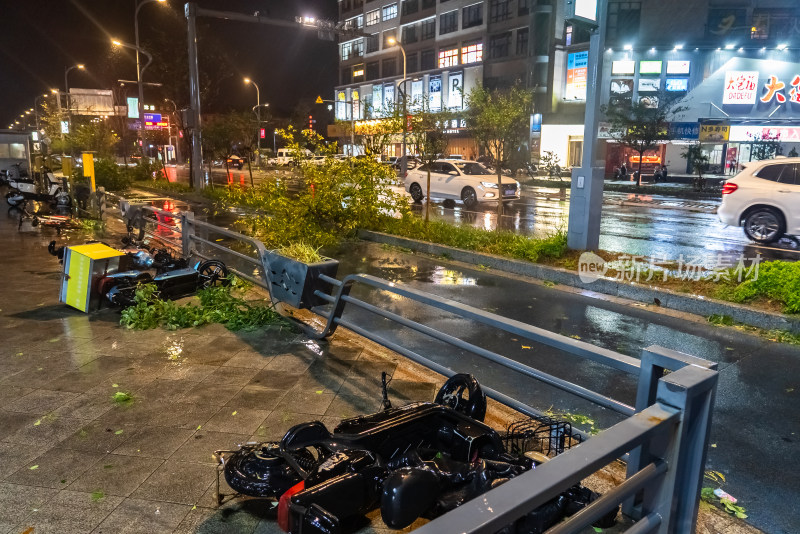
<point x="586" y="191"/>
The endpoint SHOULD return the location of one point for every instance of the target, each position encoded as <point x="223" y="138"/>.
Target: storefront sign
<point x="586" y="9"/>
<point x="456" y="90"/>
<point x="388" y="96"/>
<point x="741" y="87"/>
<point x="678" y="67"/>
<point x="623" y="66"/>
<point x="133" y="107"/>
<point x="714" y="133"/>
<point x="684" y="130"/>
<point x="651" y="85"/>
<point x="677" y="85"/>
<point x="749" y="133"/>
<point x="650" y="67"/>
<point x="774" y="89"/>
<point x="621" y="91"/>
<point x="377" y="99"/>
<point x="416" y="94"/>
<point x="577" y="74"/>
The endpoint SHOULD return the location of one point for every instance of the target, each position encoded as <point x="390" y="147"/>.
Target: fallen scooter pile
<point x="419" y="460"/>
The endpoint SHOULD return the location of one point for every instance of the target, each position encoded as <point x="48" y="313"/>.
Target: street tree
<point x="378" y="132"/>
<point x="427" y="133"/>
<point x="765" y="147"/>
<point x="227" y="133"/>
<point x="643" y="125"/>
<point x="499" y="120"/>
<point x="698" y="161"/>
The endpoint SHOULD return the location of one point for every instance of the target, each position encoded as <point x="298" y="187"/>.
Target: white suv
<point x="765" y="199"/>
<point x="464" y="180"/>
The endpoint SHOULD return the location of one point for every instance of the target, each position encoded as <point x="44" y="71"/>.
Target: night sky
<point x="40" y="38"/>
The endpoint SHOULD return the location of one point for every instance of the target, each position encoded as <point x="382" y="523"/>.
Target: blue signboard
<point x="152" y="117"/>
<point x="677" y="84"/>
<point x="684" y="130"/>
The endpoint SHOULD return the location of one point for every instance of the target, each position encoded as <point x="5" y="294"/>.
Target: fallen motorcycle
<point x="24" y="187"/>
<point x="419" y="460"/>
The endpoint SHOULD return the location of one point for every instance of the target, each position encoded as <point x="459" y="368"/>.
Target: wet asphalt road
<point x="755" y="429"/>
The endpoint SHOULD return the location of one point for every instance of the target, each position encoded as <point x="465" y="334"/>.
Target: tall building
<point x="451" y="45"/>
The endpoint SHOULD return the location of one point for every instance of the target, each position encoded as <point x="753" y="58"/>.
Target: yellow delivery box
<point x="84" y="265"/>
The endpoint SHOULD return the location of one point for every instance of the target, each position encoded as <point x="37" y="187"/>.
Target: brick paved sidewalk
<point x="74" y="461"/>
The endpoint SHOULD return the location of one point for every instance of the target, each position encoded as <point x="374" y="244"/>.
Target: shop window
<point x="522" y="42"/>
<point x="427" y="59"/>
<point x="448" y="58"/>
<point x="472" y="16"/>
<point x="410" y="6"/>
<point x="411" y="62"/>
<point x="575" y="151"/>
<point x="499" y="10"/>
<point x="389" y="12"/>
<point x="472" y="52"/>
<point x="623" y="20"/>
<point x="410" y="34"/>
<point x="499" y="45"/>
<point x="373" y="17"/>
<point x="448" y="22"/>
<point x="372" y="43"/>
<point x="389" y="67"/>
<point x="373" y="71"/>
<point x="428" y="29"/>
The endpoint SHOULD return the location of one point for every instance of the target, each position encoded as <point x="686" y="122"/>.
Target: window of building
<point x="373" y="71"/>
<point x="428" y="29"/>
<point x="448" y="22"/>
<point x="372" y="43"/>
<point x="389" y="67"/>
<point x="388" y="37"/>
<point x="358" y="48"/>
<point x="448" y="58"/>
<point x="522" y="42"/>
<point x="373" y="17"/>
<point x="346" y="76"/>
<point x="623" y="20"/>
<point x="389" y="12"/>
<point x="347" y="50"/>
<point x="524" y="7"/>
<point x="427" y="59"/>
<point x="499" y="45"/>
<point x="499" y="10"/>
<point x="472" y="16"/>
<point x="427" y="4"/>
<point x="410" y="34"/>
<point x="354" y="23"/>
<point x="411" y="62"/>
<point x="760" y="26"/>
<point x="472" y="52"/>
<point x="358" y="73"/>
<point x="410" y="6"/>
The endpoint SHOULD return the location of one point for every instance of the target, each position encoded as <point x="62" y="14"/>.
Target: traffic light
<point x="310" y="122"/>
<point x="263" y="133"/>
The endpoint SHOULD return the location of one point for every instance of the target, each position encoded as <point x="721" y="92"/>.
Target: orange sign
<point x="646" y="159"/>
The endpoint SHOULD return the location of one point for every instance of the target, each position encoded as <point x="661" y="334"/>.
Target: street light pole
<point x="139" y="70"/>
<point x="258" y="114"/>
<point x="139" y="73"/>
<point x="403" y="162"/>
<point x="67" y="70"/>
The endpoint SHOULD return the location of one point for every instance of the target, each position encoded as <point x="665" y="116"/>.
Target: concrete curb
<point x="637" y="292"/>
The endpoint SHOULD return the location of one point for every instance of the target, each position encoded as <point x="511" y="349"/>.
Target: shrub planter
<point x="294" y="282"/>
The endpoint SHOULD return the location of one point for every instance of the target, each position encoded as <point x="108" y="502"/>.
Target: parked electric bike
<point x="43" y="186"/>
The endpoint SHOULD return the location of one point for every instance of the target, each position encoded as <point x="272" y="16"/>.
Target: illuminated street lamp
<point x="67" y="70"/>
<point x="258" y="114"/>
<point x="403" y="163"/>
<point x="139" y="69"/>
<point x="139" y="72"/>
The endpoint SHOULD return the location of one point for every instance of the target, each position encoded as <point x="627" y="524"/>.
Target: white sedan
<point x="464" y="180"/>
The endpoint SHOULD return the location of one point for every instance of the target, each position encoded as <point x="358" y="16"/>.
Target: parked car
<point x="467" y="181"/>
<point x="764" y="198"/>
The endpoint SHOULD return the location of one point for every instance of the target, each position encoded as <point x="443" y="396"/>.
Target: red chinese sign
<point x="774" y="90"/>
<point x="741" y="87"/>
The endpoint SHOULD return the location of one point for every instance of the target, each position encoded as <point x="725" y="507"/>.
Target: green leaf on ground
<point x="114" y="385"/>
<point x="33" y="467"/>
<point x="199" y="427"/>
<point x="318" y="392"/>
<point x="97" y="495"/>
<point x="38" y="422"/>
<point x="597" y="529"/>
<point x="118" y="432"/>
<point x="121" y="397"/>
<point x="235" y="412"/>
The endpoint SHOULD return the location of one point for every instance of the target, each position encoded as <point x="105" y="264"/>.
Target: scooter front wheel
<point x="14" y="198"/>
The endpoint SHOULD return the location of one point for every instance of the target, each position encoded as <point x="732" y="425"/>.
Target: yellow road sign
<point x="318" y="100"/>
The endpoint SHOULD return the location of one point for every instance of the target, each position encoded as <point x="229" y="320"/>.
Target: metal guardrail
<point x="663" y="438"/>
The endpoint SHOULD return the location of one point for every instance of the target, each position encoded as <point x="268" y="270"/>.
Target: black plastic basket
<point x="540" y="434"/>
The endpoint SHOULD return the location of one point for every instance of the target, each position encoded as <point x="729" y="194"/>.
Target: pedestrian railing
<point x="663" y="438"/>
